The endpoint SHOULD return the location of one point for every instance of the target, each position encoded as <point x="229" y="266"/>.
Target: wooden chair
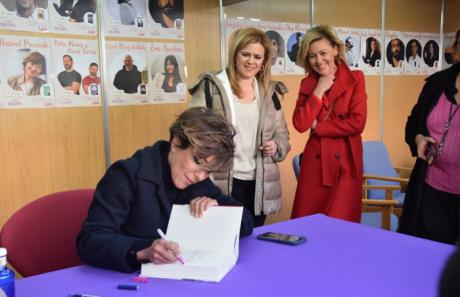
<point x="383" y="188"/>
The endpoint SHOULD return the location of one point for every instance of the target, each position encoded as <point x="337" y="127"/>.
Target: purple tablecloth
<point x="339" y="259"/>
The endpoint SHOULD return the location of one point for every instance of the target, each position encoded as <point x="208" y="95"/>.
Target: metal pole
<point x="312" y="12"/>
<point x="441" y="34"/>
<point x="222" y="36"/>
<point x="104" y="82"/>
<point x="382" y="73"/>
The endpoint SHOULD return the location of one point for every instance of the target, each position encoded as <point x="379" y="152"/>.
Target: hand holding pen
<point x="175" y="254"/>
<point x="161" y="251"/>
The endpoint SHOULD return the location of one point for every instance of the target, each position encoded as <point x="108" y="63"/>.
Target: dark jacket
<point x="371" y="59"/>
<point x="449" y="286"/>
<point x="131" y="201"/>
<point x="128" y="80"/>
<point x="81" y="8"/>
<point x="417" y="124"/>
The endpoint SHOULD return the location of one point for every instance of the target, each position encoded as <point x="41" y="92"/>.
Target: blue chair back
<point x="376" y="161"/>
<point x="374" y="219"/>
<point x="296" y="165"/>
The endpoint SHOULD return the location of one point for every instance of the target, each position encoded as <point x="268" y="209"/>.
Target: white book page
<point x="217" y="230"/>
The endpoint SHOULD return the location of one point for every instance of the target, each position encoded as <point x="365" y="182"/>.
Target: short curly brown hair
<point x="209" y="134"/>
<point x="35" y="58"/>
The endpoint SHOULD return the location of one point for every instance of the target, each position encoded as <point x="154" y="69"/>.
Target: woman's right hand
<point x="160" y="252"/>
<point x="422" y="142"/>
<point x="325" y="82"/>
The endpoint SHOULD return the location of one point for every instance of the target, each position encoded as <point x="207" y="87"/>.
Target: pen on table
<point x="163" y="236"/>
<point x="128" y="287"/>
<point x="81" y="295"/>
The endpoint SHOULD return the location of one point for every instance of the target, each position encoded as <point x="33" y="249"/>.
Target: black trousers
<point x="244" y="191"/>
<point x="439" y="215"/>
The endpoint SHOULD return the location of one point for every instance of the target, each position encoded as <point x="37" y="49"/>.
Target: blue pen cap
<point x="128" y="287"/>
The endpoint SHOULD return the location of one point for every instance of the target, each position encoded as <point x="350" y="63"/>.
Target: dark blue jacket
<point x="131" y="202"/>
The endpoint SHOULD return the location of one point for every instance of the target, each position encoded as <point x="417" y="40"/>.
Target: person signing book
<point x="135" y="196"/>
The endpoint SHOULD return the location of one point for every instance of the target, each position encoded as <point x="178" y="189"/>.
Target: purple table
<point x="339" y="259"/>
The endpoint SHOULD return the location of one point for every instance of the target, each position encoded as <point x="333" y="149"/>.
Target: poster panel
<point x="165" y="18"/>
<point x="430" y="52"/>
<point x="25" y="76"/>
<point x="276" y="33"/>
<point x="448" y="52"/>
<point x="293" y="36"/>
<point x="127" y="75"/>
<point x="24" y="15"/>
<point x="73" y="17"/>
<point x="76" y="73"/>
<point x="394" y="52"/>
<point x="167" y="73"/>
<point x="371" y="49"/>
<point x="124" y="18"/>
<point x="231" y="25"/>
<point x="413" y="62"/>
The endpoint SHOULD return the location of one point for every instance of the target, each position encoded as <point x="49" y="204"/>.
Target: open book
<point x="209" y="245"/>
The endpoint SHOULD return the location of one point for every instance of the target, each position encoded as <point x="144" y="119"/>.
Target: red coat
<point x="331" y="167"/>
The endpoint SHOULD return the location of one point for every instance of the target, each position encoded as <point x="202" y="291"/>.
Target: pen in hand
<point x="163" y="236"/>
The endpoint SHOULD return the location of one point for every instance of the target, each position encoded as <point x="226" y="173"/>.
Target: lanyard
<point x="446" y="128"/>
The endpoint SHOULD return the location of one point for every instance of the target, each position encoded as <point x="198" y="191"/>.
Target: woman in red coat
<point x="332" y="104"/>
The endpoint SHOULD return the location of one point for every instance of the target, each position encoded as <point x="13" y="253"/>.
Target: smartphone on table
<point x="288" y="239"/>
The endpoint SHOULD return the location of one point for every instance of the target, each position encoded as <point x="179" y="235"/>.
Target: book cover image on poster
<point x="166" y="18"/>
<point x="448" y="53"/>
<point x="125" y="17"/>
<point x="293" y="45"/>
<point x="431" y="53"/>
<point x="231" y="26"/>
<point x="372" y="55"/>
<point x="24" y="15"/>
<point x="351" y="38"/>
<point x="127" y="73"/>
<point x="352" y="50"/>
<point x="278" y="46"/>
<point x="73" y="16"/>
<point x="293" y="35"/>
<point x="26" y="72"/>
<point x="167" y="73"/>
<point x="76" y="72"/>
<point x="394" y="53"/>
<point x="413" y="56"/>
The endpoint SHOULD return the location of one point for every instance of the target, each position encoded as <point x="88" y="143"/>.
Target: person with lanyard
<point x="432" y="205"/>
<point x="246" y="95"/>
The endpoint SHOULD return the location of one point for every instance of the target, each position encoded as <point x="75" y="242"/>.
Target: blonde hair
<point x="318" y="33"/>
<point x="242" y="38"/>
